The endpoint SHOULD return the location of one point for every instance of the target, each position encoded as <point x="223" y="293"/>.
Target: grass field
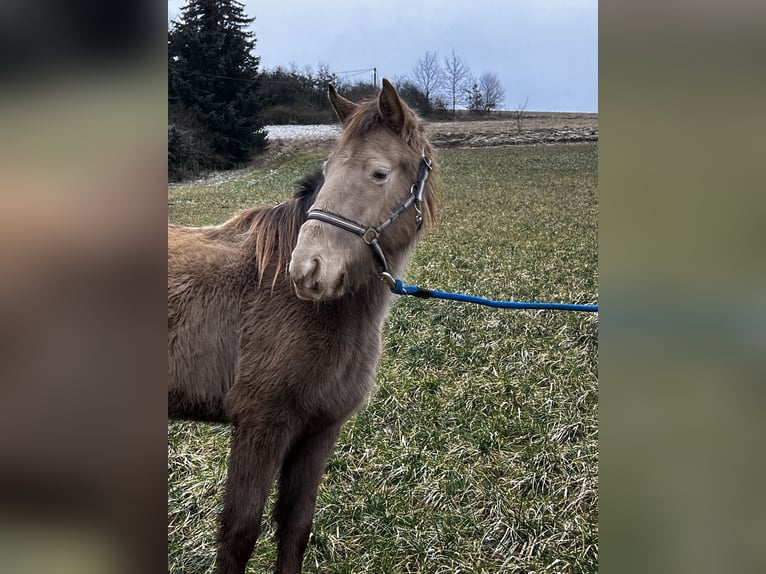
<point x="478" y="452"/>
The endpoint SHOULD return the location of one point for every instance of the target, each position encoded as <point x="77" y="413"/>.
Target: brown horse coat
<point x="286" y="372"/>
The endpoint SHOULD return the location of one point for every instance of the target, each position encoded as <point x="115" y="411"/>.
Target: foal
<point x="275" y="318"/>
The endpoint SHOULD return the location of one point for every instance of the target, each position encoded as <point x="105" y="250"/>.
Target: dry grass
<point x="530" y="121"/>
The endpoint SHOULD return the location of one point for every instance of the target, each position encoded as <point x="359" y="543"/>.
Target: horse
<point x="275" y="317"/>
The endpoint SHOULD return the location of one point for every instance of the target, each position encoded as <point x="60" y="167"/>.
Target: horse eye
<point x="379" y="175"/>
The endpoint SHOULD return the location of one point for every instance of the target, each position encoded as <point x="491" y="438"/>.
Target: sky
<point x="546" y="50"/>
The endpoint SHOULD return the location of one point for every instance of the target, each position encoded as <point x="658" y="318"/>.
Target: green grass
<point x="478" y="451"/>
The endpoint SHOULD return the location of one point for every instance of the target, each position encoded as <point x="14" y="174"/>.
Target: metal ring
<point x="370" y="230"/>
<point x="388" y="279"/>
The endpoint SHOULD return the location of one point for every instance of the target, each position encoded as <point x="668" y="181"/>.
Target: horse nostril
<point x="306" y="273"/>
<point x="314" y="272"/>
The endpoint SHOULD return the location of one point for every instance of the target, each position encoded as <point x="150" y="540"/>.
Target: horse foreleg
<point x="256" y="454"/>
<point x="294" y="511"/>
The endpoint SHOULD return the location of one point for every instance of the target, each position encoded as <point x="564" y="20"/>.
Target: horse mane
<point x="367" y="118"/>
<point x="274" y="230"/>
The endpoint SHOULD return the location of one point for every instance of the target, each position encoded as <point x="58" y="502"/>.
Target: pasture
<point x="478" y="452"/>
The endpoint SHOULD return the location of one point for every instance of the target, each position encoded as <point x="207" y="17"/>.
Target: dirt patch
<point x="537" y="128"/>
<point x="506" y="135"/>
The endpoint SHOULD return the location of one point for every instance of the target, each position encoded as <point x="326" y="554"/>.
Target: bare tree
<point x="428" y="76"/>
<point x="519" y="113"/>
<point x="492" y="92"/>
<point x="457" y="79"/>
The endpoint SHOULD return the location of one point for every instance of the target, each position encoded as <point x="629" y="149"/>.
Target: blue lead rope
<point x="400" y="288"/>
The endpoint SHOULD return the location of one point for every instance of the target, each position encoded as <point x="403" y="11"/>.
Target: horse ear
<point x="343" y="107"/>
<point x="391" y="107"/>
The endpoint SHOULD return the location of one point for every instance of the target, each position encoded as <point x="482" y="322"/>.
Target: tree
<point x="428" y="77"/>
<point x="411" y="94"/>
<point x="474" y="100"/>
<point x="519" y="113"/>
<point x="326" y="76"/>
<point x="361" y="90"/>
<point x="492" y="92"/>
<point x="456" y="79"/>
<point x="212" y="81"/>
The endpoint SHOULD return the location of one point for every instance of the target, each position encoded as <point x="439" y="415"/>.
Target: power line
<point x="356" y="71"/>
<point x="196" y="73"/>
<point x="261" y="78"/>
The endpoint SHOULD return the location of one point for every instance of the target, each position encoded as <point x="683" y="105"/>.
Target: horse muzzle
<point x="315" y="277"/>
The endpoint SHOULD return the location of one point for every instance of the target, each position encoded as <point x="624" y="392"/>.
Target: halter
<point x="370" y="235"/>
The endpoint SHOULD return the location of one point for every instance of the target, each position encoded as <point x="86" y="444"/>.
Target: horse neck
<point x="362" y="310"/>
<point x="373" y="298"/>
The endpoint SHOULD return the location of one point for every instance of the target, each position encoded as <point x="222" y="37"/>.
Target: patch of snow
<point x="300" y="132"/>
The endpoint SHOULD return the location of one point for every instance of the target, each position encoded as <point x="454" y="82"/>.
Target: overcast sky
<point x="544" y="49"/>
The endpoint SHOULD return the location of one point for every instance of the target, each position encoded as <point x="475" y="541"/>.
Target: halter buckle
<point x="420" y="185"/>
<point x="418" y="214"/>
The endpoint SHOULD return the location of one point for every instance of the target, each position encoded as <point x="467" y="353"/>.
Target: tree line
<point x="435" y="90"/>
<point x="451" y="84"/>
<point x="219" y="100"/>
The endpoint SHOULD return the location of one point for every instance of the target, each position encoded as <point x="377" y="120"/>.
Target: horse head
<point x="367" y="214"/>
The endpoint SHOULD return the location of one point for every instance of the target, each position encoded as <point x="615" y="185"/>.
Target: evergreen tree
<point x="474" y="99"/>
<point x="411" y="94"/>
<point x="212" y="81"/>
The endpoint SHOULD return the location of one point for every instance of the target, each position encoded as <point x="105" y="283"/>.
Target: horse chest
<point x="312" y="361"/>
<point x="343" y="386"/>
